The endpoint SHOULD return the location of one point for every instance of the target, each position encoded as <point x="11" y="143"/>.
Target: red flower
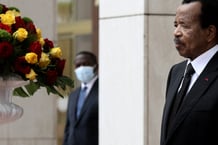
<point x="5" y="27"/>
<point x="60" y="66"/>
<point x="21" y="65"/>
<point x="48" y="45"/>
<point x="6" y="49"/>
<point x="19" y="23"/>
<point x="51" y="77"/>
<point x="36" y="48"/>
<point x="30" y="27"/>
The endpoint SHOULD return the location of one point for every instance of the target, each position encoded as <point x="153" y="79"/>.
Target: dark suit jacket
<point x="84" y="130"/>
<point x="196" y="122"/>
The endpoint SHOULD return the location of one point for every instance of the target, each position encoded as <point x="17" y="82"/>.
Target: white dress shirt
<point x="200" y="63"/>
<point x="89" y="85"/>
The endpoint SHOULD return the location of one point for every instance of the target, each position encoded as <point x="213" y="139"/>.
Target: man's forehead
<point x="194" y="7"/>
<point x="189" y="11"/>
<point x="82" y="56"/>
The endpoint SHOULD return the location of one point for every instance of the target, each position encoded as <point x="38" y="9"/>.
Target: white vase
<point x="8" y="110"/>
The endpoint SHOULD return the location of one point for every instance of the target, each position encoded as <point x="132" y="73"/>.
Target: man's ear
<point x="211" y="33"/>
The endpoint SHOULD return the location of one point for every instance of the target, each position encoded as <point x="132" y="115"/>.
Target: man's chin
<point x="182" y="53"/>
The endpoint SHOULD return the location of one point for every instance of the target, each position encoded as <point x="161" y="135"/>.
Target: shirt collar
<point x="90" y="83"/>
<point x="201" y="61"/>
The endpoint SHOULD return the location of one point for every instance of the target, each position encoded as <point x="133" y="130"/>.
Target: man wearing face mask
<point x="82" y="114"/>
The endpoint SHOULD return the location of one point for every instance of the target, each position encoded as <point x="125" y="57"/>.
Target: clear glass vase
<point x="8" y="110"/>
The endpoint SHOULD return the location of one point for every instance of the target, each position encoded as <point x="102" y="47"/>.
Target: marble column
<point x="136" y="52"/>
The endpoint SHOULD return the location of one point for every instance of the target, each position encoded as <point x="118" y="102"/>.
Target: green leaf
<point x="20" y="92"/>
<point x="1" y="8"/>
<point x="4" y="35"/>
<point x="27" y="19"/>
<point x="51" y="89"/>
<point x="32" y="87"/>
<point x="61" y="84"/>
<point x="67" y="81"/>
<point x="14" y="8"/>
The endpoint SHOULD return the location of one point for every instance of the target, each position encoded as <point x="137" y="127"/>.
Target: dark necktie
<point x="184" y="88"/>
<point x="81" y="100"/>
<point x="181" y="93"/>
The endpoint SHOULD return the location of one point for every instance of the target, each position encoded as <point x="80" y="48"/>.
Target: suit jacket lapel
<point x="74" y="104"/>
<point x="89" y="100"/>
<point x="172" y="90"/>
<point x="198" y="89"/>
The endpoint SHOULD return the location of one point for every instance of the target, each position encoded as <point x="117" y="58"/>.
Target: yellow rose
<point x="44" y="60"/>
<point x="13" y="12"/>
<point x="32" y="75"/>
<point x="31" y="58"/>
<point x="41" y="41"/>
<point x="39" y="33"/>
<point x="56" y="52"/>
<point x="7" y="19"/>
<point x="21" y="34"/>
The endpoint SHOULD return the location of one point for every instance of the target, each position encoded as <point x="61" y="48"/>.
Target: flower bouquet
<point x="25" y="53"/>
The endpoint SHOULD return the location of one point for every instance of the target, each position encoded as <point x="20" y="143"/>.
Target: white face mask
<point x="85" y="73"/>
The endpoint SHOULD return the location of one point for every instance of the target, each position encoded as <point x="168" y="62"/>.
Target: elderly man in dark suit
<point x="190" y="115"/>
<point x="82" y="114"/>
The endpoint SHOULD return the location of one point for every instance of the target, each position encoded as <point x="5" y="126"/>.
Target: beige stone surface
<point x="3" y="142"/>
<point x="122" y="81"/>
<point x="4" y="131"/>
<point x="163" y="6"/>
<point x="121" y="8"/>
<point x="39" y="118"/>
<point x="46" y="142"/>
<point x="35" y="141"/>
<point x="38" y="121"/>
<point x="21" y="141"/>
<point x="162" y="55"/>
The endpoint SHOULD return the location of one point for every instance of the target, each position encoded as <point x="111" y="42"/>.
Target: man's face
<point x="85" y="68"/>
<point x="83" y="60"/>
<point x="190" y="39"/>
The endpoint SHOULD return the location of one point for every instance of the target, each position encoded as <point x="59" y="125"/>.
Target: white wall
<point x="122" y="76"/>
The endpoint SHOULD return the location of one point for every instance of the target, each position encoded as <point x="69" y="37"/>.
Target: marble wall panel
<point x="162" y="55"/>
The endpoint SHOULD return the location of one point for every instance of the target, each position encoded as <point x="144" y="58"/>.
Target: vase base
<point x="10" y="112"/>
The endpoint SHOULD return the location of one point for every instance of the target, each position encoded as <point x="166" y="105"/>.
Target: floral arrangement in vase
<point x="25" y="53"/>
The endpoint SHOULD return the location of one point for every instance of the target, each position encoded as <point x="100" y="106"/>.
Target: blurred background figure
<point x="82" y="112"/>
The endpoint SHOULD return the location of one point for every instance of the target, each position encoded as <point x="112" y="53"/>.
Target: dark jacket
<point x="84" y="130"/>
<point x="196" y="122"/>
